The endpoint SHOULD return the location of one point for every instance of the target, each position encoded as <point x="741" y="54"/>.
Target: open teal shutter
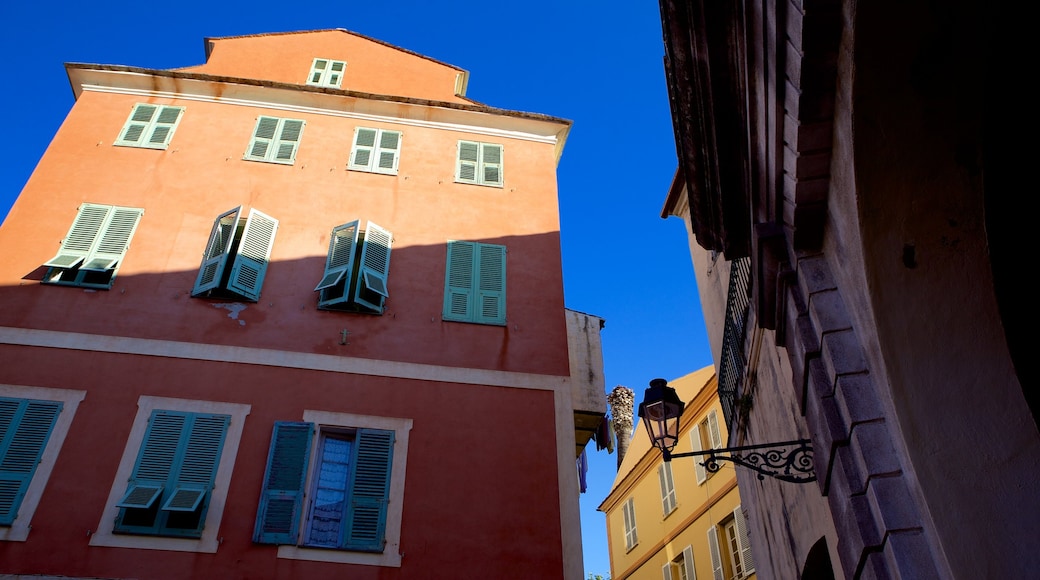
<point x="364" y="147"/>
<point x="468" y="158"/>
<point x="217" y="250"/>
<point x="491" y="292"/>
<point x="198" y="465"/>
<point x="375" y="268"/>
<point x="490" y="164"/>
<point x="458" y="281"/>
<point x="114" y="239"/>
<point x="254" y="251"/>
<point x="288" y="140"/>
<point x="281" y="499"/>
<point x="155" y="460"/>
<point x="81" y="237"/>
<point x="338" y="264"/>
<point x="388" y="152"/>
<point x="370" y="490"/>
<point x="25" y="427"/>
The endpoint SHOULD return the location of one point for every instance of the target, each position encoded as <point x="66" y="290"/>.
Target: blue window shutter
<point x="458" y="281"/>
<point x="254" y="251"/>
<point x="113" y="239"/>
<point x="155" y="460"/>
<point x="370" y="490"/>
<point x="339" y="263"/>
<point x="198" y="463"/>
<point x="82" y="236"/>
<point x="375" y="268"/>
<point x="491" y="291"/>
<point x="214" y="259"/>
<point x="281" y="499"/>
<point x="25" y="427"/>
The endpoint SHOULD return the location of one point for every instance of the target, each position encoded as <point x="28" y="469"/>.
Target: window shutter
<point x="458" y="281"/>
<point x="25" y="427"/>
<point x="716" y="557"/>
<point x="667" y="488"/>
<point x="629" y="511"/>
<point x="713" y="430"/>
<point x="468" y="156"/>
<point x="164" y="125"/>
<point x="114" y="239"/>
<point x="155" y="461"/>
<point x="687" y="562"/>
<point x="666" y="571"/>
<point x="491" y="293"/>
<point x="317" y="71"/>
<point x="698" y="461"/>
<point x="661" y="477"/>
<point x="388" y="152"/>
<point x="364" y="147"/>
<point x="81" y="237"/>
<point x="370" y="492"/>
<point x="288" y="140"/>
<point x="198" y="466"/>
<point x="137" y="125"/>
<point x="491" y="164"/>
<point x="335" y="73"/>
<point x="281" y="499"/>
<point x="744" y="541"/>
<point x="263" y="138"/>
<point x="217" y="250"/>
<point x="338" y="263"/>
<point x="375" y="267"/>
<point x="254" y="251"/>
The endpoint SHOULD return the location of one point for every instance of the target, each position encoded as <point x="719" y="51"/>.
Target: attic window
<point x="326" y="73"/>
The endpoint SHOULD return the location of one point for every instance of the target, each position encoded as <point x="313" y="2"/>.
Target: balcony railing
<point x="733" y="365"/>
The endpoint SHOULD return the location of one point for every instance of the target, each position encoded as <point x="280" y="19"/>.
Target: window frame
<point x="110" y="229"/>
<point x="391" y="554"/>
<point x="479" y="163"/>
<point x="325" y="72"/>
<point x="272" y="152"/>
<point x="149" y="127"/>
<point x="208" y="540"/>
<point x="681" y="567"/>
<point x="468" y="296"/>
<point x="730" y="547"/>
<point x="18" y="530"/>
<point x="375" y="151"/>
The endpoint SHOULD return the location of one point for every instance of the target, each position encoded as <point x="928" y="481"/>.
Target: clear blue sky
<point x="598" y="64"/>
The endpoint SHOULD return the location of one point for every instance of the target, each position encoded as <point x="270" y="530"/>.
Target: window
<point x="333" y="488"/>
<point x="479" y="163"/>
<point x="681" y="568"/>
<point x="172" y="482"/>
<point x="475" y="283"/>
<point x="664" y="474"/>
<point x="628" y="509"/>
<point x="246" y="245"/>
<point x="326" y="73"/>
<point x="375" y="150"/>
<point x="730" y="548"/>
<point x="150" y="126"/>
<point x="356" y="281"/>
<point x="93" y="249"/>
<point x="707" y="431"/>
<point x="275" y="140"/>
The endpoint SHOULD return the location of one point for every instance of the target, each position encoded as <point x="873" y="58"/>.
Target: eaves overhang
<point x="473" y="118"/>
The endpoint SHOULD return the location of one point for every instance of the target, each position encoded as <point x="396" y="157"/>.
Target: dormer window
<point x="326" y="73"/>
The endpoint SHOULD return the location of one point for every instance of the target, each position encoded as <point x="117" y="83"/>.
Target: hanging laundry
<point x="583" y="470"/>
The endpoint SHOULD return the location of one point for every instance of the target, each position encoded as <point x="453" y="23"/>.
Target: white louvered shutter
<point x="716" y="556"/>
<point x="374" y="267"/>
<point x="254" y="252"/>
<point x="218" y="247"/>
<point x="81" y="237"/>
<point x="698" y="460"/>
<point x="744" y="541"/>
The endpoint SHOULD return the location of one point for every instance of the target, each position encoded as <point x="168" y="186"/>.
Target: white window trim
<point x="208" y="542"/>
<point x="391" y="556"/>
<point x="18" y="531"/>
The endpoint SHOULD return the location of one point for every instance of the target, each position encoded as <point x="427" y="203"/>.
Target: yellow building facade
<point x="676" y="520"/>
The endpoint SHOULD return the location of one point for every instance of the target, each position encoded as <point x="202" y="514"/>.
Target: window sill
<point x="387" y="558"/>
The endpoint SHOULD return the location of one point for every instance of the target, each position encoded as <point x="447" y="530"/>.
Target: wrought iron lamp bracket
<point x="790" y="461"/>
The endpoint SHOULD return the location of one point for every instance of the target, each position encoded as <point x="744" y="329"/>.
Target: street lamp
<point x="790" y="461"/>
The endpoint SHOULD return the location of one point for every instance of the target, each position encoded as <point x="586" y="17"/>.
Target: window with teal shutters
<point x="375" y="150"/>
<point x="479" y="163"/>
<point x="91" y="252"/>
<point x="350" y="486"/>
<point x="150" y="126"/>
<point x="25" y="427"/>
<point x="475" y="283"/>
<point x="246" y="246"/>
<point x="357" y="267"/>
<point x="275" y="140"/>
<point x="169" y="489"/>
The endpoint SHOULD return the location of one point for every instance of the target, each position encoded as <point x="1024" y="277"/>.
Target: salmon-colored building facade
<point x="294" y="312"/>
